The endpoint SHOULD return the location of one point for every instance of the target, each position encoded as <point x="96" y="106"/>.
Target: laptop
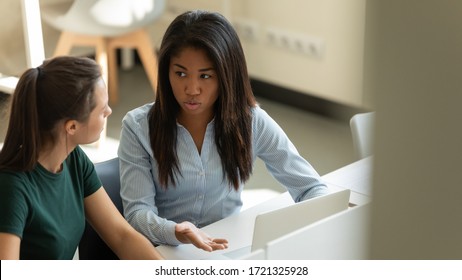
<point x="276" y="223"/>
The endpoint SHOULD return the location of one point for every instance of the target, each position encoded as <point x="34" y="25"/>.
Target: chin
<point x="91" y="141"/>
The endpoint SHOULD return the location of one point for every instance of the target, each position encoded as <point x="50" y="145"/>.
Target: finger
<point x="220" y="241"/>
<point x="216" y="247"/>
<point x="205" y="247"/>
<point x="203" y="244"/>
<point x="218" y="244"/>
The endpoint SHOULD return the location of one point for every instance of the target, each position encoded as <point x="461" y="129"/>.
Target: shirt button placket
<point x="201" y="191"/>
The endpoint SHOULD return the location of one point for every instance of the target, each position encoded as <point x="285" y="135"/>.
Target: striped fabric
<point x="202" y="194"/>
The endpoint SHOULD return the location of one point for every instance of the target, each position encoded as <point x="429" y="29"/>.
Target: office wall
<point x="336" y="74"/>
<point x="337" y="25"/>
<point x="414" y="68"/>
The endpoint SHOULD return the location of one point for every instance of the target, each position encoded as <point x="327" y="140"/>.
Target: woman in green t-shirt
<point x="48" y="185"/>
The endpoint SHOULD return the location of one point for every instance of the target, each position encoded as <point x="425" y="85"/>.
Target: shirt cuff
<point x="169" y="234"/>
<point x="316" y="191"/>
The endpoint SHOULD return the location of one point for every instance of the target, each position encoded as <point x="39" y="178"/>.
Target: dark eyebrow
<point x="207" y="69"/>
<point x="200" y="70"/>
<point x="181" y="66"/>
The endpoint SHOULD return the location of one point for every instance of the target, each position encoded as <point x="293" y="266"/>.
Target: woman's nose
<point x="109" y="111"/>
<point x="192" y="87"/>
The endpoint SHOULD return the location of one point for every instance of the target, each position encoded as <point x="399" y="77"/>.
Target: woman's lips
<point x="192" y="105"/>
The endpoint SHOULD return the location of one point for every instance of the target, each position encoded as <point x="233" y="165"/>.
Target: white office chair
<point x="362" y="131"/>
<point x="107" y="25"/>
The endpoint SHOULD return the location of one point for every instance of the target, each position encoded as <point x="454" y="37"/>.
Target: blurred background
<point x="314" y="64"/>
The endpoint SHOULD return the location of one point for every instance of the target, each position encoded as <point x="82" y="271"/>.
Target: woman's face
<point x="194" y="83"/>
<point x="91" y="130"/>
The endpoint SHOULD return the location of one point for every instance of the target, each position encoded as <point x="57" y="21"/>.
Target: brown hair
<point x="233" y="120"/>
<point x="60" y="89"/>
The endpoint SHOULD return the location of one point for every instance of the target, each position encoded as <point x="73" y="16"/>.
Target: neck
<point x="195" y="121"/>
<point x="52" y="156"/>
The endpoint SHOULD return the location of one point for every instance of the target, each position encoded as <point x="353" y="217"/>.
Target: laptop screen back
<point x="274" y="224"/>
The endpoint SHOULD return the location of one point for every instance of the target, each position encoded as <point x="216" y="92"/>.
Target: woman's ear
<point x="71" y="127"/>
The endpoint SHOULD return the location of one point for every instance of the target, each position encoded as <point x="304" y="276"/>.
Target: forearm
<point x="303" y="182"/>
<point x="134" y="246"/>
<point x="314" y="192"/>
<point x="158" y="230"/>
<point x="111" y="226"/>
<point x="299" y="178"/>
<point x="9" y="246"/>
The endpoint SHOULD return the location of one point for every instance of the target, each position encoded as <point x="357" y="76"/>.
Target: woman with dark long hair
<point x="185" y="158"/>
<point x="48" y="186"/>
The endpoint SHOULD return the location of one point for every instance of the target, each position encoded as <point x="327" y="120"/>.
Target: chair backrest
<point x="91" y="246"/>
<point x="102" y="17"/>
<point x="362" y="131"/>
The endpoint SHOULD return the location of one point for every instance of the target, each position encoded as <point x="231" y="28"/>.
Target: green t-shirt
<point x="46" y="210"/>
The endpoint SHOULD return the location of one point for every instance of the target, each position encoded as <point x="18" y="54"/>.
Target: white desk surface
<point x="238" y="228"/>
<point x="356" y="176"/>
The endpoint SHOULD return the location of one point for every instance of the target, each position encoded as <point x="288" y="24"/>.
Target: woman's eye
<point x="206" y="76"/>
<point x="180" y="74"/>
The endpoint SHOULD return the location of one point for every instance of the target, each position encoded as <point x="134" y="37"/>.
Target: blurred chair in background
<point x="107" y="25"/>
<point x="362" y="132"/>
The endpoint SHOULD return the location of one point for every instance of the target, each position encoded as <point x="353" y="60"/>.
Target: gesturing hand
<point x="186" y="232"/>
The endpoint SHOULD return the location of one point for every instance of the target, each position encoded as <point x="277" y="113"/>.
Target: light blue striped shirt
<point x="202" y="194"/>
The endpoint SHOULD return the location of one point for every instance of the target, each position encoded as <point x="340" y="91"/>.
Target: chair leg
<point x="112" y="81"/>
<point x="65" y="42"/>
<point x="101" y="56"/>
<point x="106" y="55"/>
<point x="148" y="57"/>
<point x="140" y="40"/>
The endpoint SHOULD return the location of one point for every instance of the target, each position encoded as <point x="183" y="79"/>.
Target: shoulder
<point x="15" y="200"/>
<point x="11" y="178"/>
<point x="13" y="185"/>
<point x="137" y="116"/>
<point x="78" y="152"/>
<point x="135" y="125"/>
<point x="79" y="164"/>
<point x="78" y="157"/>
<point x="260" y="118"/>
<point x="255" y="109"/>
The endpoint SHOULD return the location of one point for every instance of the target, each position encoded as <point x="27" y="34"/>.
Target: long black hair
<point x="214" y="34"/>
